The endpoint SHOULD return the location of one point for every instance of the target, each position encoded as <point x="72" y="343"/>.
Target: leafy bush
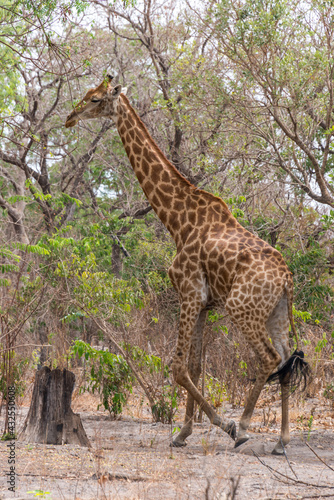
<point x="216" y="391"/>
<point x="18" y="365"/>
<point x="329" y="392"/>
<point x="312" y="292"/>
<point x="164" y="394"/>
<point x="110" y="376"/>
<point x="166" y="404"/>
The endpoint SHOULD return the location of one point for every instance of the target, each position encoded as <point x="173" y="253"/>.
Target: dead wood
<point x="50" y="419"/>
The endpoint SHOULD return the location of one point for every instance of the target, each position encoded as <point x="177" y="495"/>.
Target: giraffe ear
<point x="124" y="90"/>
<point x="115" y="92"/>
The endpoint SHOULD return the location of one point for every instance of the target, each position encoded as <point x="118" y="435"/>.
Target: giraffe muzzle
<point x="71" y="120"/>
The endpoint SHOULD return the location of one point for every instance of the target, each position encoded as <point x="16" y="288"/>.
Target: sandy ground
<point x="132" y="459"/>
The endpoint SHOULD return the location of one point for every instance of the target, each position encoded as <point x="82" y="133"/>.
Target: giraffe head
<point x="98" y="102"/>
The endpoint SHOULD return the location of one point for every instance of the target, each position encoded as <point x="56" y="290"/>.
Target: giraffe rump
<point x="295" y="372"/>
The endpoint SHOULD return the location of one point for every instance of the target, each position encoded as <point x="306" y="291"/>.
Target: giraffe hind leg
<point x="293" y="373"/>
<point x="285" y="433"/>
<point x="293" y="370"/>
<point x="278" y="329"/>
<point x="269" y="359"/>
<point x="251" y="310"/>
<point x="254" y="330"/>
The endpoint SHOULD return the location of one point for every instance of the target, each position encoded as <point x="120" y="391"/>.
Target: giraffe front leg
<point x="187" y="427"/>
<point x="194" y="368"/>
<point x="190" y="315"/>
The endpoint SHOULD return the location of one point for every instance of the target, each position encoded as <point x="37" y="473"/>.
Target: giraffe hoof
<point x="231" y="430"/>
<point x="241" y="441"/>
<point x="178" y="444"/>
<point x="279" y="453"/>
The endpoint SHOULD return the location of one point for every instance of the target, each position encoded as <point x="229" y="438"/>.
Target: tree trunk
<point x="43" y="340"/>
<point x="50" y="419"/>
<point x="116" y="260"/>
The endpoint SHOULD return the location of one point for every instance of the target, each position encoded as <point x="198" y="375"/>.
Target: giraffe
<point x="217" y="262"/>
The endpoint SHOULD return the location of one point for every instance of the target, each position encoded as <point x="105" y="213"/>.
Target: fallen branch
<point x="321" y="460"/>
<point x="295" y="481"/>
<point x="330" y="495"/>
<point x="108" y="476"/>
<point x="286" y="456"/>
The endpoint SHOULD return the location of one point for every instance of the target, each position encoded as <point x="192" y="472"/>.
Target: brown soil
<point x="131" y="459"/>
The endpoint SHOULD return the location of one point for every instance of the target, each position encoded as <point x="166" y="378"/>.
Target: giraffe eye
<point x="95" y="100"/>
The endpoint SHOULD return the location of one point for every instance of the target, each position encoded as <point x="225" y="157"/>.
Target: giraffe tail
<point x="289" y="292"/>
<point x="295" y="372"/>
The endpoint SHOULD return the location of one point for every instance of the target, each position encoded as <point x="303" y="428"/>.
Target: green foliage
<point x="243" y="368"/>
<point x="215" y="318"/>
<point x="322" y="343"/>
<point x="109" y="375"/>
<point x="94" y="291"/>
<point x="35" y="249"/>
<point x="312" y="292"/>
<point x="328" y="220"/>
<point x="165" y="395"/>
<point x="9" y="263"/>
<point x="39" y="493"/>
<point x="7" y="436"/>
<point x="235" y="203"/>
<point x="329" y="391"/>
<point x="148" y="363"/>
<point x="166" y="404"/>
<point x="303" y="315"/>
<point x="18" y="366"/>
<point x="216" y="391"/>
<point x="150" y="257"/>
<point x="57" y="203"/>
<point x="46" y="8"/>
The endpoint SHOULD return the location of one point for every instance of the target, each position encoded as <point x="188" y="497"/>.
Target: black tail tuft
<point x="295" y="372"/>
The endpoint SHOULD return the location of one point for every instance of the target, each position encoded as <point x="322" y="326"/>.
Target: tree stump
<point x="50" y="419"/>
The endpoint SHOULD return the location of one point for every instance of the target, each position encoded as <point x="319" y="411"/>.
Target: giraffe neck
<point x="168" y="192"/>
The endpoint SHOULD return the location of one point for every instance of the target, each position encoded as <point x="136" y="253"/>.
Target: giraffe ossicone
<point x="218" y="262"/>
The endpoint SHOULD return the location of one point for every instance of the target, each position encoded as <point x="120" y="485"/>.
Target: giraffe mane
<point x="162" y="156"/>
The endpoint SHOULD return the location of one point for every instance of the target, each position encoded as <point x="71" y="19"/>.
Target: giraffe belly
<point x="218" y="291"/>
<point x="220" y="280"/>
